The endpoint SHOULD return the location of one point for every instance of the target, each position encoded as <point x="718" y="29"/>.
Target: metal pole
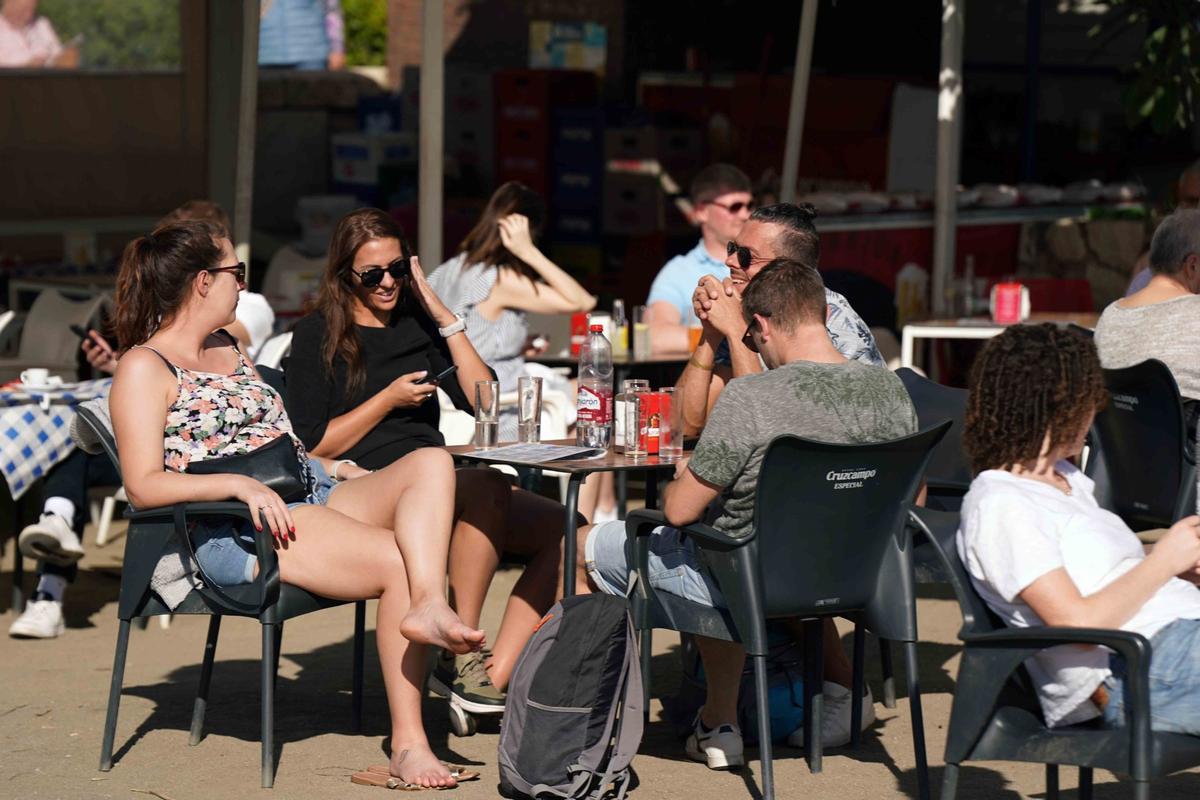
<point x="433" y="103"/>
<point x="247" y="118"/>
<point x="791" y="150"/>
<point x="949" y="135"/>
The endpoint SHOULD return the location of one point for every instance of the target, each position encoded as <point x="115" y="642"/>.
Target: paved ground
<point x="53" y="695"/>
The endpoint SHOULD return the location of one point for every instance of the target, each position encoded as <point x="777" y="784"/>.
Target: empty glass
<point x="641" y="332"/>
<point x="529" y="409"/>
<point x="670" y="425"/>
<point x="487" y="414"/>
<point x="635" y="439"/>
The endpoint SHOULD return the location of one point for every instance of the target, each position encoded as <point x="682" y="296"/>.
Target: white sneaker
<point x="42" y="619"/>
<point x="601" y="515"/>
<point x="720" y="748"/>
<point x="51" y="539"/>
<point x="835" y="718"/>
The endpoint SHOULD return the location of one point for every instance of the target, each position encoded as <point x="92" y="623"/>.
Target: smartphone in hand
<point x="441" y="376"/>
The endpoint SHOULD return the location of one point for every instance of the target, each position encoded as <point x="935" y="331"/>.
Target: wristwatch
<point x="458" y="326"/>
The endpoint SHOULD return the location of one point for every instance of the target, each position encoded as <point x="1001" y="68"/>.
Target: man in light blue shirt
<point x="721" y="197"/>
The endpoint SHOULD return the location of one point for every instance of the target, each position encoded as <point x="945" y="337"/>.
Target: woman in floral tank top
<point x="184" y="393"/>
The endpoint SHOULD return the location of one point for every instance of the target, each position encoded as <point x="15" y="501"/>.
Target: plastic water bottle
<point x="593" y="428"/>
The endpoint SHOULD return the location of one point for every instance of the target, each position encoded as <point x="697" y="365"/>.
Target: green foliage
<point x="119" y="34"/>
<point x="1165" y="87"/>
<point x="366" y="32"/>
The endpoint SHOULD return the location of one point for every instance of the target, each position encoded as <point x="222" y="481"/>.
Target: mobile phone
<point x="441" y="376"/>
<point x="82" y="333"/>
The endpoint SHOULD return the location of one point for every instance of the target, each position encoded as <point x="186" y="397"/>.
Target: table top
<point x="568" y="360"/>
<point x="1083" y="319"/>
<point x="611" y="461"/>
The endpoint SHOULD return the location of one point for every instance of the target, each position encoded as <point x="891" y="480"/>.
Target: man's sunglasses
<point x="238" y="270"/>
<point x="748" y="337"/>
<point x="399" y="269"/>
<point x="744" y="256"/>
<point x="734" y="208"/>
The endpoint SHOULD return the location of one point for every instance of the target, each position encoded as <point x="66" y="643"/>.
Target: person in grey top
<point x="810" y="390"/>
<point x="1160" y="321"/>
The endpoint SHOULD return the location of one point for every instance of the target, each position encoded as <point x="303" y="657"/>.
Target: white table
<point x="977" y="328"/>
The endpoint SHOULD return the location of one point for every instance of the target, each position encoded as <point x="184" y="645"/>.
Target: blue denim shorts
<point x="225" y="547"/>
<point x="1174" y="681"/>
<point x="673" y="567"/>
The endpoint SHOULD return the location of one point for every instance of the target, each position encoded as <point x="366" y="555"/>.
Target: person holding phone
<point x="359" y="392"/>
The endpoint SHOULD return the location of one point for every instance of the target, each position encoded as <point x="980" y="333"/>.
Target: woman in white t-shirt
<point x="1040" y="551"/>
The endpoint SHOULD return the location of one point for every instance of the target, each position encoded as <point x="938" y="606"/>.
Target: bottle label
<point x="593" y="407"/>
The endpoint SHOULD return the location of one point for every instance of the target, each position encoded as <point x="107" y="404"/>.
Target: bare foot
<point x="416" y="763"/>
<point x="436" y="623"/>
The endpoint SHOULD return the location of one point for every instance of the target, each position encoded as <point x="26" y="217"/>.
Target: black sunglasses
<point x="399" y="269"/>
<point x="744" y="256"/>
<point x="748" y="337"/>
<point x="238" y="270"/>
<point x="734" y="208"/>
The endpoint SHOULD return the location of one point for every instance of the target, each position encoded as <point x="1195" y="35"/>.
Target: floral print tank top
<point x="222" y="415"/>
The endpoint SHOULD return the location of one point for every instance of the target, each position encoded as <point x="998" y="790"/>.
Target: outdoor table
<point x="35" y="435"/>
<point x="978" y="328"/>
<point x="578" y="469"/>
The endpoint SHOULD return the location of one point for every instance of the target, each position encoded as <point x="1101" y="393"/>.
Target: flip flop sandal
<point x="457" y="771"/>
<point x="385" y="781"/>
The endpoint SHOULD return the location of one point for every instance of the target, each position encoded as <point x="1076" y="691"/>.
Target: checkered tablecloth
<point x="35" y="428"/>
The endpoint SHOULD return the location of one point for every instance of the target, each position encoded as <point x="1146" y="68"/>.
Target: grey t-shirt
<point x="848" y="403"/>
<point x="1166" y="331"/>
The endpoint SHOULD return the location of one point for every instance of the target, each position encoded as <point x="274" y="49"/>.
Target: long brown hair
<point x="156" y="274"/>
<point x="335" y="300"/>
<point x="483" y="245"/>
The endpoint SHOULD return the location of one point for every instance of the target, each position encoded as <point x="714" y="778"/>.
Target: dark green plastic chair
<point x="823" y="546"/>
<point x="996" y="717"/>
<point x="269" y="600"/>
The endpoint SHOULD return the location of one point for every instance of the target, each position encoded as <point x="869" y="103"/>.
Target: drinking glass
<point x="641" y="332"/>
<point x="695" y="330"/>
<point x="670" y="426"/>
<point x="635" y="440"/>
<point x="487" y="414"/>
<point x="529" y="409"/>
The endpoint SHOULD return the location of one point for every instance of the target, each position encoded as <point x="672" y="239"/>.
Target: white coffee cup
<point x="35" y="376"/>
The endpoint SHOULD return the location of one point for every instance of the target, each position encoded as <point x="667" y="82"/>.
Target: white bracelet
<point x="337" y="464"/>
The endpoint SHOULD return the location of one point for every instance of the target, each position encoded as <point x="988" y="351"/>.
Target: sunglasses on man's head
<point x="734" y="208"/>
<point x="398" y="269"/>
<point x="238" y="270"/>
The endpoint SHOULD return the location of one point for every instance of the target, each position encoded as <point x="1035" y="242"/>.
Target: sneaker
<point x="51" y="539"/>
<point x="835" y="719"/>
<point x="604" y="515"/>
<point x="42" y="619"/>
<point x="466" y="681"/>
<point x="720" y="748"/>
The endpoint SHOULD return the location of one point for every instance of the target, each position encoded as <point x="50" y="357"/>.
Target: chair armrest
<point x="228" y="509"/>
<point x="642" y="521"/>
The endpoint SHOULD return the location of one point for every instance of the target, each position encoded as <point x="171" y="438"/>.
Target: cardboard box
<point x="528" y="95"/>
<point x="356" y="157"/>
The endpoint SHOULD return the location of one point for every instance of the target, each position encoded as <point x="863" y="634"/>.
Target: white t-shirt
<point x="1015" y="530"/>
<point x="255" y="313"/>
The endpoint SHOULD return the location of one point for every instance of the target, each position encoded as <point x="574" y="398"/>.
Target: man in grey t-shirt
<point x="810" y="390"/>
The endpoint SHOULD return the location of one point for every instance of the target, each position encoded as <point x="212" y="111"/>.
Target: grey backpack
<point x="573" y="718"/>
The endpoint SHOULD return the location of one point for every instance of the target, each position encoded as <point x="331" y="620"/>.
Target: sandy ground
<point x="53" y="696"/>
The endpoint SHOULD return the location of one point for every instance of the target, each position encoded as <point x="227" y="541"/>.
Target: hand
<point x="681" y="466"/>
<point x="1179" y="548"/>
<point x="725" y="315"/>
<point x="67" y="59"/>
<point x="515" y="236"/>
<point x="405" y="392"/>
<point x="535" y="345"/>
<point x="266" y="507"/>
<point x="98" y="353"/>
<point x="336" y="61"/>
<point x="707" y="291"/>
<point x="348" y="472"/>
<point x="427" y="297"/>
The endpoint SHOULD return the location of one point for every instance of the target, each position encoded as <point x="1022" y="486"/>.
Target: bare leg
<point x="483" y="500"/>
<point x="339" y="557"/>
<point x="837" y="667"/>
<point x="597" y="492"/>
<point x="583" y="580"/>
<point x="414" y="498"/>
<point x="535" y="529"/>
<point x="723" y="663"/>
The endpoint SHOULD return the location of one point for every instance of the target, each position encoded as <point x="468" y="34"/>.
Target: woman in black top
<point x="353" y="394"/>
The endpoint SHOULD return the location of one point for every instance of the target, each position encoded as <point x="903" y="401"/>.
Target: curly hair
<point x="1029" y="381"/>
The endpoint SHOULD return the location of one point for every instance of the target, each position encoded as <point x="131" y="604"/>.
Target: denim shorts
<point x="225" y="547"/>
<point x="673" y="567"/>
<point x="1174" y="681"/>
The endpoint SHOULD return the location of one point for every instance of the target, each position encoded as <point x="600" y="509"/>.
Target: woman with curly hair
<point x="1041" y="551"/>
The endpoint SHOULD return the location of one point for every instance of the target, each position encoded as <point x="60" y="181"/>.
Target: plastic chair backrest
<point x="103" y="433"/>
<point x="274" y="349"/>
<point x="830" y="524"/>
<point x="1138" y="459"/>
<point x="46" y="337"/>
<point x="977" y="617"/>
<point x="948" y="467"/>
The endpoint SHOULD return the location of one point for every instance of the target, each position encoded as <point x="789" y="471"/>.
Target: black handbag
<point x="276" y="464"/>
